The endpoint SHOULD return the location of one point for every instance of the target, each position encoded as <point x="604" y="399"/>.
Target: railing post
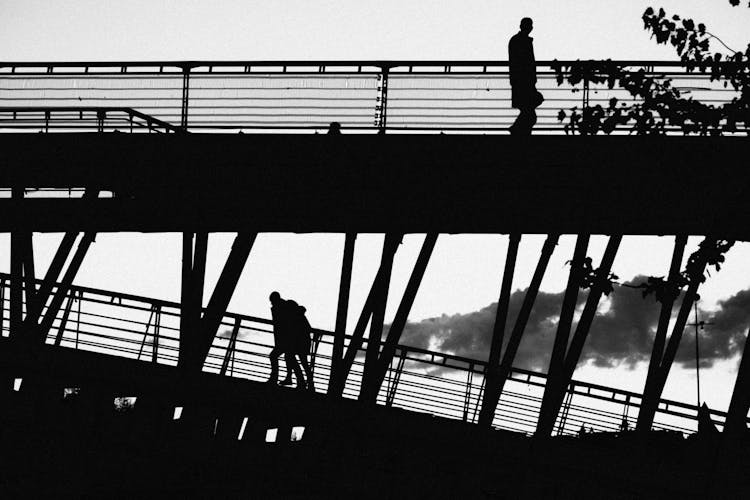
<point x="155" y="345"/>
<point x="383" y="107"/>
<point x="342" y="311"/>
<point x="185" y="98"/>
<point x="229" y="354"/>
<point x="585" y="110"/>
<point x="2" y="306"/>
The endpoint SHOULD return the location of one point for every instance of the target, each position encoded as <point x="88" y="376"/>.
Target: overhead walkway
<point x="306" y="96"/>
<point x="116" y="324"/>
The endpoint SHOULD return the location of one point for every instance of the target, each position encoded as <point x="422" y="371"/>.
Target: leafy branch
<point x="657" y="104"/>
<point x="710" y="253"/>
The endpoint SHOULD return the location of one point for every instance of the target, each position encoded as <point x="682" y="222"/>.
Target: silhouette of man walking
<point x="283" y="315"/>
<point x="301" y="331"/>
<point x="524" y="95"/>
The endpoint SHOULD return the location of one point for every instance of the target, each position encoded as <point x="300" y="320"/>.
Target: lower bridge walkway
<point x="115" y="324"/>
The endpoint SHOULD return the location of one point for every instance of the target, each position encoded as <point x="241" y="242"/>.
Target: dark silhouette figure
<point x="282" y="313"/>
<point x="301" y="331"/>
<point x="334" y="128"/>
<point x="705" y="424"/>
<point x="524" y="95"/>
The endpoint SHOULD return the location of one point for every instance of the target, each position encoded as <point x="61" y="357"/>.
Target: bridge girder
<point x="391" y="183"/>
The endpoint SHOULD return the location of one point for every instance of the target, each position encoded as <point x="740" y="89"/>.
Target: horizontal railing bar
<point x="417" y="351"/>
<point x="326" y="63"/>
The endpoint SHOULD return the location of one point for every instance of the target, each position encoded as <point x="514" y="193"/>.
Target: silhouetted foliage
<point x="658" y="104"/>
<point x="710" y="253"/>
<point x="598" y="279"/>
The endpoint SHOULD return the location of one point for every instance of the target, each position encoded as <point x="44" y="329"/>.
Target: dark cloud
<point x="622" y="332"/>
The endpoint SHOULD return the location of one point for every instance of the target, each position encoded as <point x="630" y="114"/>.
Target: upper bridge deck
<point x="306" y="96"/>
<point x="424" y="148"/>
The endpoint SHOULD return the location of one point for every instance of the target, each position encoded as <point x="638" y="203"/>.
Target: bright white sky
<point x="465" y="272"/>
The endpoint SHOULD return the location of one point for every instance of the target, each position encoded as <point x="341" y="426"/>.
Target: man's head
<point x="527" y="25"/>
<point x="274" y="298"/>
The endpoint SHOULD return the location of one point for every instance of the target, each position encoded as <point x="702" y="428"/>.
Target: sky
<point x="463" y="277"/>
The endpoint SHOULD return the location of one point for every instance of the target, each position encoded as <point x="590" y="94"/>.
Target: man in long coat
<point x="283" y="314"/>
<point x="524" y="95"/>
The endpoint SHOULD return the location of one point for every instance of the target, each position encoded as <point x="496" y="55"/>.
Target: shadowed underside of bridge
<point x="200" y="183"/>
<point x="366" y="183"/>
<point x="219" y="445"/>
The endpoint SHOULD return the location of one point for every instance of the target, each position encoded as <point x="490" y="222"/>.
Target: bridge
<point x="200" y="147"/>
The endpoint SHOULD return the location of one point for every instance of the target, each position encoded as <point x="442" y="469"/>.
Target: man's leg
<point x="292" y="365"/>
<point x="525" y="121"/>
<point x="308" y="371"/>
<point x="274" y="358"/>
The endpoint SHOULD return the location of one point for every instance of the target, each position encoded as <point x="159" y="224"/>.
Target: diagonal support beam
<point x="373" y="379"/>
<point x="35" y="307"/>
<point x="378" y="293"/>
<point x="498" y="331"/>
<point x="377" y="321"/>
<point x="653" y="391"/>
<point x="62" y="290"/>
<point x="547" y="417"/>
<point x="558" y="389"/>
<point x="206" y="328"/>
<point x="736" y="421"/>
<point x="194" y="249"/>
<point x="661" y="357"/>
<point x="492" y="391"/>
<point x="342" y="309"/>
<point x="589" y="310"/>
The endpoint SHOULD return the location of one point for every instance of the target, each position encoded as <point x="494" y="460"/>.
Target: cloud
<point x="621" y="334"/>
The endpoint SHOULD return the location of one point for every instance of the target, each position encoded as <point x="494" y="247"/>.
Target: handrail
<point x="412" y="354"/>
<point x="96" y="109"/>
<point x="341" y="63"/>
<point x="375" y="96"/>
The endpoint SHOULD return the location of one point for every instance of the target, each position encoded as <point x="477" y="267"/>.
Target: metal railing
<point x="299" y="96"/>
<point x="418" y="379"/>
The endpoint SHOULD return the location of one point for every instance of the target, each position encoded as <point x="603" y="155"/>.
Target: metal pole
<point x="555" y="378"/>
<point x="222" y="294"/>
<point x="374" y="340"/>
<point x="383" y="115"/>
<point x="57" y="298"/>
<point x="16" y="275"/>
<point x="185" y="98"/>
<point x="372" y="385"/>
<point x="342" y="309"/>
<point x="736" y="420"/>
<point x="487" y="412"/>
<point x="697" y="358"/>
<point x="517" y="334"/>
<point x="648" y="404"/>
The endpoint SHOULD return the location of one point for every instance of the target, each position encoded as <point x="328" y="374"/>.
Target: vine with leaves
<point x="657" y="105"/>
<point x="710" y="252"/>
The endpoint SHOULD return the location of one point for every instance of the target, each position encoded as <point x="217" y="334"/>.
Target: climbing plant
<point x="656" y="104"/>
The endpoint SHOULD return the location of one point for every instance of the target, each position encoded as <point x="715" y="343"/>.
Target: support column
<point x="194" y="248"/>
<point x="390" y="244"/>
<point x="219" y="301"/>
<point x="555" y="373"/>
<point x="16" y="276"/>
<point x="377" y="294"/>
<point x="197" y="331"/>
<point x="648" y="403"/>
<point x="498" y="332"/>
<point x="62" y="290"/>
<point x="372" y="383"/>
<point x="736" y="421"/>
<point x="342" y="309"/>
<point x="492" y="394"/>
<point x="557" y="389"/>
